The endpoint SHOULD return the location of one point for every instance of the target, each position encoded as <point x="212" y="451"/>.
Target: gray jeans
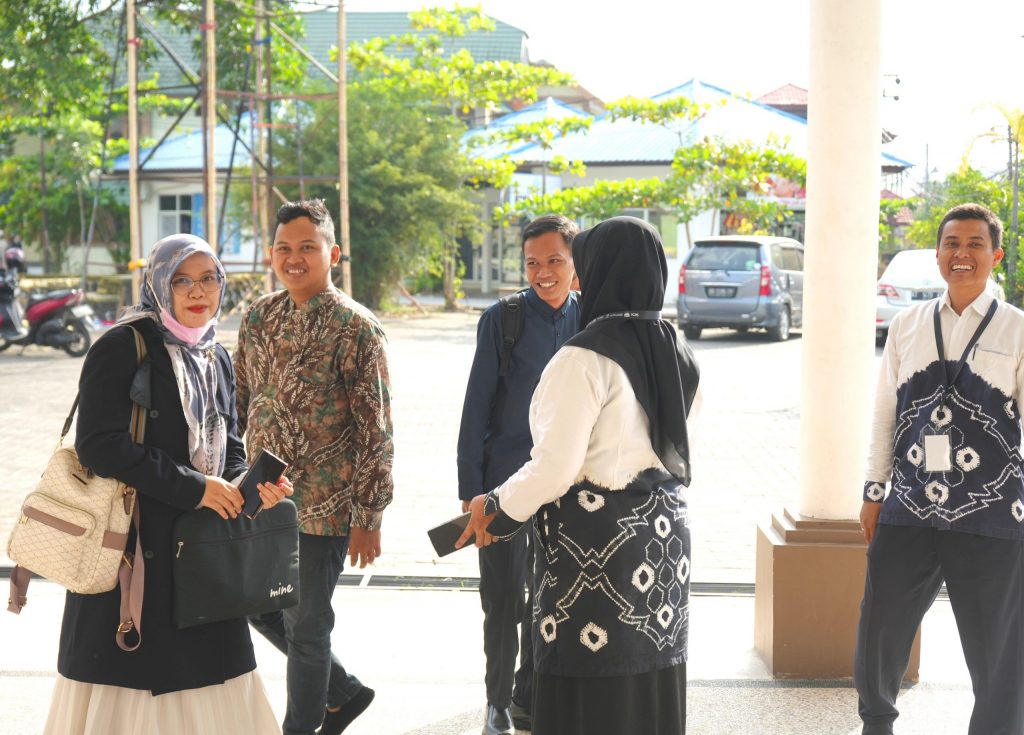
<point x="316" y="677"/>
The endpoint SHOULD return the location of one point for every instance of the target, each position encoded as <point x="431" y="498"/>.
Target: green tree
<point x="888" y="212"/>
<point x="707" y="173"/>
<point x="1013" y="135"/>
<point x="407" y="191"/>
<point x="543" y="134"/>
<point x="419" y="80"/>
<point x="960" y="187"/>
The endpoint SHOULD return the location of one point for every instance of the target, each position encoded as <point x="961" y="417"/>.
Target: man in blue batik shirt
<point x="495" y="441"/>
<point x="947" y="437"/>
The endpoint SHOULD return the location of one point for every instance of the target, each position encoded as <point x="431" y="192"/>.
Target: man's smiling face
<point x="965" y="254"/>
<point x="549" y="267"/>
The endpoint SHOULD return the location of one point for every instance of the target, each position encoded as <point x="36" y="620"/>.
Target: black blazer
<point x="169" y="659"/>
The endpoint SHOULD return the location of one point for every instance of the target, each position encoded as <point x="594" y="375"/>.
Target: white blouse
<point x="586" y="424"/>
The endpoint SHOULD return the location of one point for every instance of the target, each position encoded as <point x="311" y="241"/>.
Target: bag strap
<point x="512" y="318"/>
<point x="20" y="577"/>
<point x="132" y="577"/>
<point x="137" y="425"/>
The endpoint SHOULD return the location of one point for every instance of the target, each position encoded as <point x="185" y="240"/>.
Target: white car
<point x="912" y="276"/>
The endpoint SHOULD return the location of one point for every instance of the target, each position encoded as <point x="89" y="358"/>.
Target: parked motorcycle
<point x="56" y="319"/>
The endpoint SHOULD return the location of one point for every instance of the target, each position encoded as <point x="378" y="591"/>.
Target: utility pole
<point x="1011" y="255"/>
<point x="44" y="213"/>
<point x="343" y="228"/>
<point x="134" y="221"/>
<point x="268" y="123"/>
<point x="209" y="124"/>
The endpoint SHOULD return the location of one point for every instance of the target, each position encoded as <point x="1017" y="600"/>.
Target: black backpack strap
<point x="512" y="318"/>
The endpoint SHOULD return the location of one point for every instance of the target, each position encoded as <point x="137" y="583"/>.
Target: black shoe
<point x="336" y="722"/>
<point x="521" y="717"/>
<point x="498" y="722"/>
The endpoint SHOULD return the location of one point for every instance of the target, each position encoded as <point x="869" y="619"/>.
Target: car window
<point x="724" y="257"/>
<point x="777" y="256"/>
<point x="792" y="259"/>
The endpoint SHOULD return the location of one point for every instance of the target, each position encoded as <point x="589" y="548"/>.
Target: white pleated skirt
<point x="239" y="706"/>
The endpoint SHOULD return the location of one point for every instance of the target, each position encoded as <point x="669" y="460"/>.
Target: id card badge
<point x="937" y="453"/>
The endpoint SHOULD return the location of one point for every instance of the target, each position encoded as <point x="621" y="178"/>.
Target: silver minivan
<point x="742" y="282"/>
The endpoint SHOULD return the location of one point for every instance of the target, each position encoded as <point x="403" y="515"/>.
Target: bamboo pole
<point x="210" y="124"/>
<point x="134" y="216"/>
<point x="343" y="228"/>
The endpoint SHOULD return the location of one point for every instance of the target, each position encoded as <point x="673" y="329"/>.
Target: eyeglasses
<point x="210" y="283"/>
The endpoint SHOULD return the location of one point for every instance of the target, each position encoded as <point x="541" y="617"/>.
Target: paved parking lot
<point x="745" y="455"/>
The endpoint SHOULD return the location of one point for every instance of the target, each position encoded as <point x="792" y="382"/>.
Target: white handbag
<point x="73" y="527"/>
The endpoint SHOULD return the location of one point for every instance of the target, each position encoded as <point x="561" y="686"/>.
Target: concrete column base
<point x="809" y="586"/>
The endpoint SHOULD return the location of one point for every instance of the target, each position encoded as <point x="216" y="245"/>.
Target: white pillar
<point x="843" y="175"/>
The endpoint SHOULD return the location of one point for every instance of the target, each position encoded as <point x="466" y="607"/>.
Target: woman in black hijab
<point x="605" y="480"/>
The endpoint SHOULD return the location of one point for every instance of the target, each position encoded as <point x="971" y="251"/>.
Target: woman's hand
<point x="222" y="497"/>
<point x="478" y="523"/>
<point x="272" y="494"/>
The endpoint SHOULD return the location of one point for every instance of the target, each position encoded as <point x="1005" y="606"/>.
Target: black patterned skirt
<point x="611" y="609"/>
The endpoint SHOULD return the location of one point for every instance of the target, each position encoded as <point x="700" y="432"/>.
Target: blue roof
<point x="185" y="152"/>
<point x="627" y="141"/>
<point x="545" y="109"/>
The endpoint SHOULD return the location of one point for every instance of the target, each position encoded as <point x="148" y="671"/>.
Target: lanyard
<point x="947" y="386"/>
<point x="651" y="315"/>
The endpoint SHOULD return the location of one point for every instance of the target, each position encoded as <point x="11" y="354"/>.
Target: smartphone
<point x="267" y="468"/>
<point x="443" y="537"/>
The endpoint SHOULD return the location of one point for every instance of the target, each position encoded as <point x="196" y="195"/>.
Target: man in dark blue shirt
<point x="495" y="441"/>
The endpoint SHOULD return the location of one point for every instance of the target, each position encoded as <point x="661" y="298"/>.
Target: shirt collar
<point x="980" y="304"/>
<point x="544" y="309"/>
<point x="315" y="301"/>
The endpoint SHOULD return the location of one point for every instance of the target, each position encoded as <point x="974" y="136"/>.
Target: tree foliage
<point x="706" y="173"/>
<point x="413" y="186"/>
<point x="413" y="183"/>
<point x="959" y="187"/>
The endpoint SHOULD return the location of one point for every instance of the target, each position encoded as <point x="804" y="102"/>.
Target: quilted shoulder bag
<point x="73" y="528"/>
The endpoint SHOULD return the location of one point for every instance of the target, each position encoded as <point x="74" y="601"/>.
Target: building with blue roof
<point x="615" y="150"/>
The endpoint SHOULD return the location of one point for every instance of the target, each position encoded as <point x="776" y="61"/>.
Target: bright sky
<point x="953" y="57"/>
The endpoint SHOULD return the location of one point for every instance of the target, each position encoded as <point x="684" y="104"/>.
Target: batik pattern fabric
<point x="982" y="492"/>
<point x="313" y="388"/>
<point x="611" y="578"/>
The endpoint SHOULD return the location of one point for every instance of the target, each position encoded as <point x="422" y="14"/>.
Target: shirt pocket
<point x="996" y="368"/>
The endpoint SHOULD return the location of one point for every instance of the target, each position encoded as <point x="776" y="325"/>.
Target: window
<point x="665" y="222"/>
<point x="792" y="259"/>
<point x="175" y="214"/>
<point x="725" y="257"/>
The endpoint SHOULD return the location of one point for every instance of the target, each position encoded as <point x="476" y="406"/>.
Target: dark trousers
<point x="506" y="596"/>
<point x="985" y="580"/>
<point x="316" y="677"/>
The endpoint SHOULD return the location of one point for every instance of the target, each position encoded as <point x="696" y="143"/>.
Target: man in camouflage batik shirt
<point x="313" y="389"/>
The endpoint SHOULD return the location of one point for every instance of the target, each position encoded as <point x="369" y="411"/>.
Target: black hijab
<point x="622" y="271"/>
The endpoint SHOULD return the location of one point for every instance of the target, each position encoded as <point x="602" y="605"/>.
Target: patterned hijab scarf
<point x="194" y="365"/>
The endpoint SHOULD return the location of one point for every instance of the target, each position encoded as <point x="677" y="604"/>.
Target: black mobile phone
<point x="443" y="537"/>
<point x="268" y="467"/>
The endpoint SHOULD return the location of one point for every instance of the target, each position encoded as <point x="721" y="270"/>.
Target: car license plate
<point x="82" y="311"/>
<point x="720" y="292"/>
<point x="925" y="295"/>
